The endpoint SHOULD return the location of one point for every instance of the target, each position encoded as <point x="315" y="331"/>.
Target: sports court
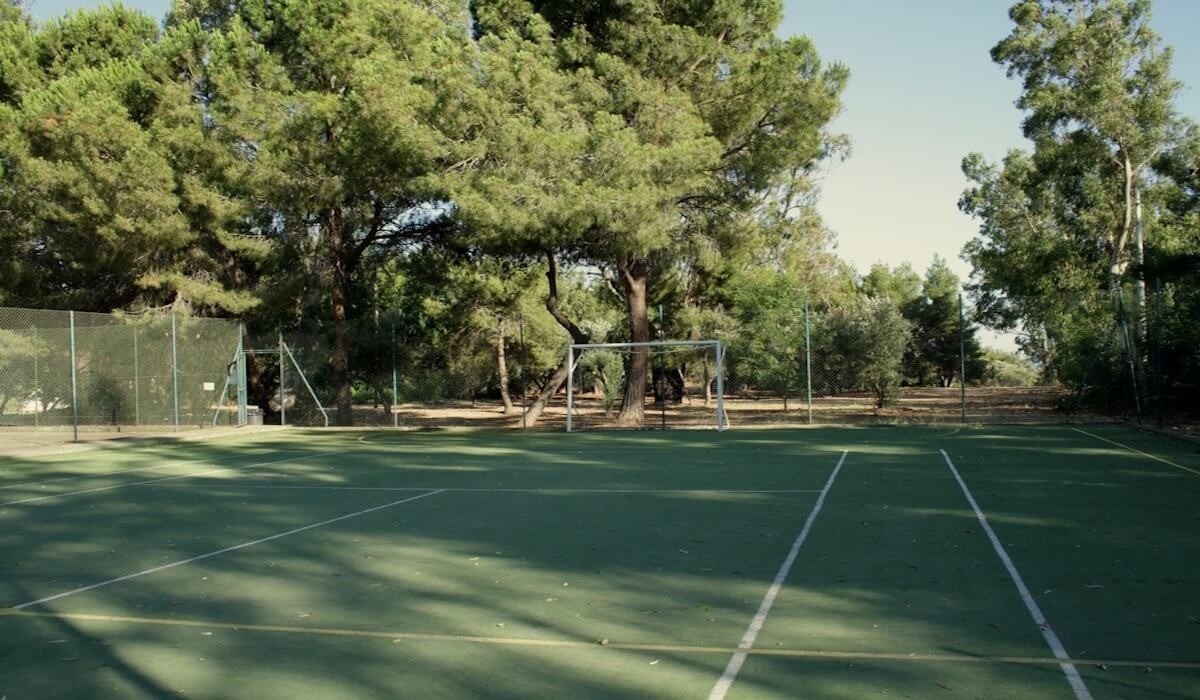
<point x="1050" y="562"/>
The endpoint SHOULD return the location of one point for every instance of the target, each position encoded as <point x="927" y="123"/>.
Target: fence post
<point x="808" y="359"/>
<point x="243" y="398"/>
<point x="395" y="380"/>
<point x="37" y="406"/>
<point x="137" y="405"/>
<point x="722" y="419"/>
<point x="521" y="326"/>
<point x="74" y="386"/>
<point x="282" y="396"/>
<point x="570" y="385"/>
<point x="659" y="384"/>
<point x="962" y="355"/>
<point x="1158" y="352"/>
<point x="175" y="371"/>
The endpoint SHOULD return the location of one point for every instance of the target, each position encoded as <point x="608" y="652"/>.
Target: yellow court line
<point x="1137" y="451"/>
<point x="578" y="644"/>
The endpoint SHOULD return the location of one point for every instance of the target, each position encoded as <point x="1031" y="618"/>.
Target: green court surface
<point x="820" y="563"/>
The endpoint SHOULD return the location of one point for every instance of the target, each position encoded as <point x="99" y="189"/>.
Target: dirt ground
<point x="988" y="405"/>
<point x="984" y="405"/>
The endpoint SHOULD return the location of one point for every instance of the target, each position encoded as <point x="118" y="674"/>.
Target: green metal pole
<point x="722" y="419"/>
<point x="175" y="371"/>
<point x="962" y="356"/>
<point x="243" y="391"/>
<point x="1158" y="352"/>
<point x="395" y="380"/>
<point x="521" y="325"/>
<point x="282" y="396"/>
<point x="808" y="360"/>
<point x="137" y="405"/>
<point x="662" y="373"/>
<point x="74" y="386"/>
<point x="37" y="406"/>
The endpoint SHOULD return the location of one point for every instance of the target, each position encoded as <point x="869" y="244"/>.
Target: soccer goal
<point x="685" y="384"/>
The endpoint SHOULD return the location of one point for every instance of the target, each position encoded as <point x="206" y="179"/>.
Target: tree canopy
<point x="1065" y="228"/>
<point x="453" y="171"/>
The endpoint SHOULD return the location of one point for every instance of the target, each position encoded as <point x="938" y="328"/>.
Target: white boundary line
<point x="725" y="682"/>
<point x="1136" y="451"/>
<point x="284" y="487"/>
<point x="34" y="499"/>
<point x="1052" y="640"/>
<point x="218" y="552"/>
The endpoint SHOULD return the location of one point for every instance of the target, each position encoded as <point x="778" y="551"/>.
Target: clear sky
<point x="923" y="93"/>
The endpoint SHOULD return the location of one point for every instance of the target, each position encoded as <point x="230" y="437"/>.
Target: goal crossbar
<point x="648" y="344"/>
<point x="575" y="349"/>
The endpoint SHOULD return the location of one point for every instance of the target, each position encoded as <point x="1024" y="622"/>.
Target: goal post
<point x="705" y="359"/>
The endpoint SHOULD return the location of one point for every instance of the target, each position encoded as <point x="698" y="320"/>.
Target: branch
<point x="372" y="233"/>
<point x="696" y="64"/>
<point x="762" y="123"/>
<point x="577" y="335"/>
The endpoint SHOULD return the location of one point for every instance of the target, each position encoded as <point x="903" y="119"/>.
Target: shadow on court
<point x="535" y="593"/>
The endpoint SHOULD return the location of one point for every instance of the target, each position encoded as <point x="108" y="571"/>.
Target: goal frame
<point x="576" y="349"/>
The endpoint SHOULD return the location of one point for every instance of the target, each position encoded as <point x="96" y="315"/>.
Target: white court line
<point x="34" y="499"/>
<point x="126" y="471"/>
<point x="281" y="487"/>
<point x="725" y="682"/>
<point x="1056" y="646"/>
<point x="219" y="552"/>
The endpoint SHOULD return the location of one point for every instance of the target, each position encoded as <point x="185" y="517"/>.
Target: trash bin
<point x="254" y="415"/>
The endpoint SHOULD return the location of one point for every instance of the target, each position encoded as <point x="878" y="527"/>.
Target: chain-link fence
<point x="1139" y="362"/>
<point x="497" y="380"/>
<point x="67" y="375"/>
<point x="72" y="375"/>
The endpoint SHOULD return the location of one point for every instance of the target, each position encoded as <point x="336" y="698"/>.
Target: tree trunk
<point x="556" y="380"/>
<point x="502" y="366"/>
<point x="1139" y="252"/>
<point x="683" y="386"/>
<point x="253" y="378"/>
<point x="634" y="273"/>
<point x="708" y="383"/>
<point x="383" y="394"/>
<point x="1116" y="261"/>
<point x="548" y="390"/>
<point x="602" y="392"/>
<point x="335" y="231"/>
<point x="1046" y="347"/>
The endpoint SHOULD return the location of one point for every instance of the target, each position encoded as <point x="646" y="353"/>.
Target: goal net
<point x="684" y="387"/>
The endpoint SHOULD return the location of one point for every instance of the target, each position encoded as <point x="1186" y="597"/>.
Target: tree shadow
<point x="673" y="566"/>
